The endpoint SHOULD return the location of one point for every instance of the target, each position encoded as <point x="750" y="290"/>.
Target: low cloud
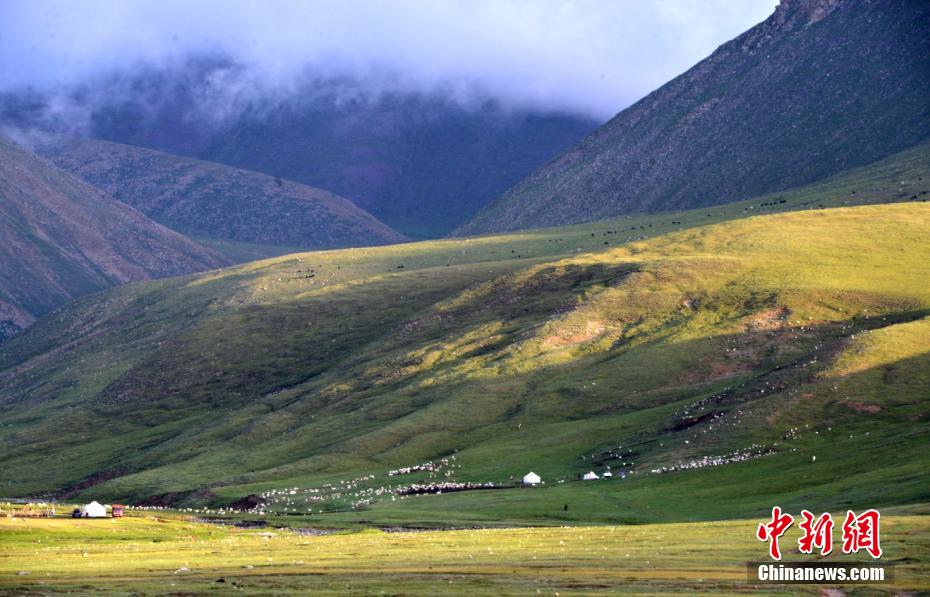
<point x="587" y="57"/>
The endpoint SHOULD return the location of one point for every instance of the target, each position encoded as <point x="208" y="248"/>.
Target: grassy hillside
<point x="60" y="238"/>
<point x="705" y="360"/>
<point x="217" y="202"/>
<point x="168" y="554"/>
<point x="820" y="87"/>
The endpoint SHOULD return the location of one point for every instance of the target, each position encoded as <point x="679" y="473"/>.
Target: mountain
<point x="692" y="353"/>
<point x="212" y="201"/>
<point x="61" y="238"/>
<point x="819" y="87"/>
<point x="423" y="162"/>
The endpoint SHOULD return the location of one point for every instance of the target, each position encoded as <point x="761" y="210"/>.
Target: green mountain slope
<point x="217" y="202"/>
<point x="819" y="87"/>
<point x="61" y="238"/>
<point x="736" y="349"/>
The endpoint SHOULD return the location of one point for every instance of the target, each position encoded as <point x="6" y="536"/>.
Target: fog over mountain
<point x="585" y="57"/>
<point x="419" y="112"/>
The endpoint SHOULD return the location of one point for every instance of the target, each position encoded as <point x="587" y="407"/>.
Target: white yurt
<point x="590" y="476"/>
<point x="531" y="478"/>
<point x="94" y="510"/>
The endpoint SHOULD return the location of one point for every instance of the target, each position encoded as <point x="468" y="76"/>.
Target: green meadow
<point x="169" y="554"/>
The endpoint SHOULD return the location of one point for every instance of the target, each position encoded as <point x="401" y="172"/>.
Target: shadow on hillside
<point x="225" y="438"/>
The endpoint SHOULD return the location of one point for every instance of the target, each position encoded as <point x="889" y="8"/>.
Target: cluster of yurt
<point x="531" y="479"/>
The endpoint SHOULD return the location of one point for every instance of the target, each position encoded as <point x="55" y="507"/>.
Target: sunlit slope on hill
<point x="737" y="351"/>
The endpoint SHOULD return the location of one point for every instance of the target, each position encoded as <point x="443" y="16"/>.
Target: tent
<point x="94" y="510"/>
<point x="590" y="476"/>
<point x="607" y="474"/>
<point x="531" y="478"/>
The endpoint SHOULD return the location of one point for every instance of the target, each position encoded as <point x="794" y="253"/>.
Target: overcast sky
<point x="592" y="57"/>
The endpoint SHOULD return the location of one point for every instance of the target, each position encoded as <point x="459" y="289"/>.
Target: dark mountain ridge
<point x="819" y="87"/>
<point x="421" y="164"/>
<point x="212" y="201"/>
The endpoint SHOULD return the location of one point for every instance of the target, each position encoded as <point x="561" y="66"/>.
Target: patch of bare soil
<point x="771" y="320"/>
<point x="862" y="407"/>
<point x="176" y="498"/>
<point x="570" y="335"/>
<point x="249" y="502"/>
<point x="709" y="369"/>
<point x="92" y="480"/>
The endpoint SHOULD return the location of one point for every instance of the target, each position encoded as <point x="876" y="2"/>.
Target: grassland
<point x="715" y="361"/>
<point x="170" y="554"/>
